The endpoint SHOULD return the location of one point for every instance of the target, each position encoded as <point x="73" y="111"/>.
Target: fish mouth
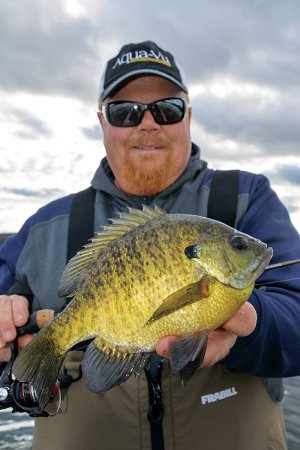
<point x="243" y="280"/>
<point x="263" y="261"/>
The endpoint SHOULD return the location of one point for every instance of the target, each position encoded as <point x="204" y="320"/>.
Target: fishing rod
<point x="282" y="264"/>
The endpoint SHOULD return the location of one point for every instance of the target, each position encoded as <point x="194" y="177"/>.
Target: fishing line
<point x="278" y="281"/>
<point x="58" y="405"/>
<point x="275" y="266"/>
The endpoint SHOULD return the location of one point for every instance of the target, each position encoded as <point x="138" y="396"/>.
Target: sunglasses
<point x="166" y="111"/>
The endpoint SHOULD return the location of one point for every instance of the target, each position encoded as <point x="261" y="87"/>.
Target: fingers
<point x="218" y="346"/>
<point x="221" y="340"/>
<point x="13" y="312"/>
<point x="24" y="340"/>
<point x="243" y="322"/>
<point x="19" y="309"/>
<point x="5" y="354"/>
<point x="162" y="346"/>
<point x="7" y="326"/>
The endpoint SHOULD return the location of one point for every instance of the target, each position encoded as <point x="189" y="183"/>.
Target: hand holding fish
<point x="13" y="313"/>
<point x="221" y="340"/>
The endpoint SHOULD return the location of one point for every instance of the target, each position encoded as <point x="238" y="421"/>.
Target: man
<point x="145" y="118"/>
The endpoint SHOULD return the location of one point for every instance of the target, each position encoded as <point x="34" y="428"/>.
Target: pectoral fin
<point x="185" y="296"/>
<point x="187" y="353"/>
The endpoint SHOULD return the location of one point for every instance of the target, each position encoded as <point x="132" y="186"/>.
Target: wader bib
<point x="217" y="410"/>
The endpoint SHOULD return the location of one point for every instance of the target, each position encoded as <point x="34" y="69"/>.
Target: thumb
<point x="24" y="340"/>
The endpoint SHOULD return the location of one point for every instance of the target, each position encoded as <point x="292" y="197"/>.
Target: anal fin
<point x="105" y="366"/>
<point x="187" y="353"/>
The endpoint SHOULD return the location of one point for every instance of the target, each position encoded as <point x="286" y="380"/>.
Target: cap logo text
<point x="141" y="56"/>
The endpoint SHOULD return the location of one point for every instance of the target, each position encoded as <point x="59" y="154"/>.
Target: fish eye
<point x="240" y="243"/>
<point x="191" y="251"/>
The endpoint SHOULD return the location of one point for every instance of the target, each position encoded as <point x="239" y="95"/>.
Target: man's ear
<point x="189" y="113"/>
<point x="101" y="118"/>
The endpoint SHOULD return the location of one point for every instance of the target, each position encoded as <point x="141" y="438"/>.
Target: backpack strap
<point x="81" y="221"/>
<point x="222" y="202"/>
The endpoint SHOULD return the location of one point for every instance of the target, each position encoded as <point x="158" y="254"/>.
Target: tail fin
<point x="39" y="363"/>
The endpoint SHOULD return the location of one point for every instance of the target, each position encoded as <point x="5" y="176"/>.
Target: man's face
<point x="147" y="158"/>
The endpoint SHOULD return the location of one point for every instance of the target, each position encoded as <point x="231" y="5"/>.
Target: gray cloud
<point x="273" y="127"/>
<point x="292" y="205"/>
<point x="28" y="125"/>
<point x="41" y="193"/>
<point x="286" y="173"/>
<point x="33" y="123"/>
<point x="93" y="133"/>
<point x="44" y="49"/>
<point x="253" y="40"/>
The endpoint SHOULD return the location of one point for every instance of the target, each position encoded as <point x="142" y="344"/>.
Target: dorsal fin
<point x="77" y="267"/>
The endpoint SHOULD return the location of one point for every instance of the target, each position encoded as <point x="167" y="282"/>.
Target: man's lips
<point x="148" y="147"/>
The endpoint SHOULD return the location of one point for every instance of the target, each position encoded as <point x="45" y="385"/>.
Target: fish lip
<point x="255" y="271"/>
<point x="263" y="260"/>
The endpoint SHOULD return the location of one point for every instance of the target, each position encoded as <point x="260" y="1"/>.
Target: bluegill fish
<point x="146" y="275"/>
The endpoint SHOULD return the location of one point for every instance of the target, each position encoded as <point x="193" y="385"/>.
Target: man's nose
<point x="148" y="122"/>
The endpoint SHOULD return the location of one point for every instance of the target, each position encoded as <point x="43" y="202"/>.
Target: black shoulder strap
<point x="81" y="221"/>
<point x="222" y="202"/>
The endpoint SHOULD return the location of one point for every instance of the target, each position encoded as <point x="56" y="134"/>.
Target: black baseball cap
<point x="138" y="59"/>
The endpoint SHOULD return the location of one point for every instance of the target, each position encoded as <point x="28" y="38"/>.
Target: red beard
<point x="141" y="172"/>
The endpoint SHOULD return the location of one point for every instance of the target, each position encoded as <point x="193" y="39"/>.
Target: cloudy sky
<point x="242" y="64"/>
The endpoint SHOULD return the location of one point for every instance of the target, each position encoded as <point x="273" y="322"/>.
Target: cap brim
<point x="117" y="84"/>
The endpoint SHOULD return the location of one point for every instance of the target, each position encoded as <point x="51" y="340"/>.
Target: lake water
<point x="16" y="429"/>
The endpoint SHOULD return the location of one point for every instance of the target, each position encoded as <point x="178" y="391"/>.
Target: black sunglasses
<point x="166" y="111"/>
